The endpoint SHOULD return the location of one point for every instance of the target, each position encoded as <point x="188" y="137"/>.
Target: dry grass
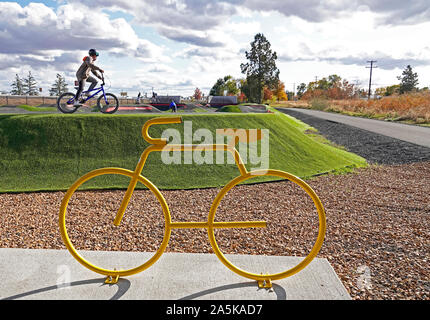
<point x="408" y="107"/>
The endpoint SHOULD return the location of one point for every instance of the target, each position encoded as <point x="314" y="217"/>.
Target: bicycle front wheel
<point x="66" y="103"/>
<point x="108" y="103"/>
<point x="299" y="186"/>
<point x="93" y="207"/>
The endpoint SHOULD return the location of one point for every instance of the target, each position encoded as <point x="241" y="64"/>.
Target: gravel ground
<point x="377" y="239"/>
<point x="375" y="148"/>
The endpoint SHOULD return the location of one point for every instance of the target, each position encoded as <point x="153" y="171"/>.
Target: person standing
<point x="173" y="106"/>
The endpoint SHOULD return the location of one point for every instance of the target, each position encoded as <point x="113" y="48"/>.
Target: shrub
<point x="319" y="104"/>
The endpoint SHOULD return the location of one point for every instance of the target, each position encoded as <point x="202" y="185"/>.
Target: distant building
<point x="220" y="101"/>
<point x="163" y="102"/>
<point x="156" y="99"/>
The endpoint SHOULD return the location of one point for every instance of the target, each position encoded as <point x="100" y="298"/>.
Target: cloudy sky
<point x="175" y="46"/>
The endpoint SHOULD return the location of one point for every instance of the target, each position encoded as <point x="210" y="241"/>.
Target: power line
<point x="370" y="79"/>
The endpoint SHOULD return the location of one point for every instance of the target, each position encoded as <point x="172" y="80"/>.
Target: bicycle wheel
<point x="80" y="258"/>
<point x="108" y="105"/>
<point x="65" y="103"/>
<point x="279" y="275"/>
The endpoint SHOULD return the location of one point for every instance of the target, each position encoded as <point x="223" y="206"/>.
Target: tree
<point x="279" y="92"/>
<point x="218" y="88"/>
<point x="290" y="95"/>
<point x="225" y="86"/>
<point x="248" y="87"/>
<point x="301" y="89"/>
<point x="197" y="94"/>
<point x="267" y="94"/>
<point x="388" y="91"/>
<point x="17" y="87"/>
<point x="231" y="86"/>
<point x="408" y="80"/>
<point x="333" y="87"/>
<point x="30" y="85"/>
<point x="241" y="97"/>
<point x="59" y="86"/>
<point x="261" y="67"/>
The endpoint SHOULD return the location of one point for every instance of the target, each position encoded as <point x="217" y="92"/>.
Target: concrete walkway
<point x="410" y="133"/>
<point x="55" y="274"/>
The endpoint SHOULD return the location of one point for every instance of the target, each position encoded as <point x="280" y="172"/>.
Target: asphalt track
<point x="410" y="133"/>
<point x="377" y="141"/>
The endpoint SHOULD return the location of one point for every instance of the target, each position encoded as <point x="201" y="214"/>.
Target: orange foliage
<point x="267" y="94"/>
<point x="280" y="93"/>
<point x="241" y="97"/>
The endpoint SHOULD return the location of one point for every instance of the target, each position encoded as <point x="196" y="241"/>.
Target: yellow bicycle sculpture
<point x="157" y="145"/>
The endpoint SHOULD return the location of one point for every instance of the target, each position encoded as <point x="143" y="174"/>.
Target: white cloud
<point x="38" y="31"/>
<point x="188" y="43"/>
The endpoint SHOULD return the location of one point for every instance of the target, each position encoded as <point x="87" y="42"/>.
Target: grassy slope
<point x="49" y="152"/>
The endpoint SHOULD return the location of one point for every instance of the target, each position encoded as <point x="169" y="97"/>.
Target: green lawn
<point x="49" y="152"/>
<point x="35" y="109"/>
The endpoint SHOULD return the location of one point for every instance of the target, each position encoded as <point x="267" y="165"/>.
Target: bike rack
<point x="158" y="145"/>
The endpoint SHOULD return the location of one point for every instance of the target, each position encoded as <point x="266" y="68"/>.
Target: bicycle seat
<point x="158" y="141"/>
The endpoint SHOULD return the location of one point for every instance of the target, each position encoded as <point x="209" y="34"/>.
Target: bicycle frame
<point x="99" y="89"/>
<point x="160" y="145"/>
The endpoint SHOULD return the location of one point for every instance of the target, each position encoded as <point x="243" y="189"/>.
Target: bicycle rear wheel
<point x="109" y="104"/>
<point x="71" y="247"/>
<point x="66" y="103"/>
<point x="278" y="275"/>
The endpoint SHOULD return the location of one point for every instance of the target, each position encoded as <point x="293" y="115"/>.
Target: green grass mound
<point x="230" y="108"/>
<point x="49" y="152"/>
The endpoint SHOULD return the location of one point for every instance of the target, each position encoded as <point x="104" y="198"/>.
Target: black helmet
<point x="93" y="52"/>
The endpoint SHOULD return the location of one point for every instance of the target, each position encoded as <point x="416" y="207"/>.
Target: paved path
<point x="55" y="274"/>
<point x="410" y="133"/>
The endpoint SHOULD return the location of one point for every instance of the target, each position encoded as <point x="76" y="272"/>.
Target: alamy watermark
<point x="364" y="281"/>
<point x="253" y="146"/>
<point x="64" y="276"/>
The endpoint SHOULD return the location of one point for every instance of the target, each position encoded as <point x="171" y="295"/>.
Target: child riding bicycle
<point x="83" y="74"/>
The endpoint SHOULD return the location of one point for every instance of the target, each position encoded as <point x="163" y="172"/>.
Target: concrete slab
<point x="56" y="275"/>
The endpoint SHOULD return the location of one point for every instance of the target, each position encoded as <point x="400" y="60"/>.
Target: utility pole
<point x="370" y="79"/>
<point x="294" y="91"/>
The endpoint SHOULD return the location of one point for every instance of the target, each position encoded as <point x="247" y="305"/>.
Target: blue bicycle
<point x="106" y="103"/>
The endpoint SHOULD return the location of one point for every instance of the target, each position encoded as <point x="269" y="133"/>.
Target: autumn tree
<point x="241" y="97"/>
<point x="267" y="94"/>
<point x="332" y="87"/>
<point x="279" y="92"/>
<point x="197" y="94"/>
<point x="261" y="67"/>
